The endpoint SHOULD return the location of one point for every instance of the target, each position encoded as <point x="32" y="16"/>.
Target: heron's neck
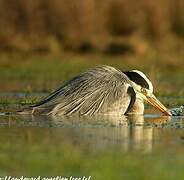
<point x="138" y="107"/>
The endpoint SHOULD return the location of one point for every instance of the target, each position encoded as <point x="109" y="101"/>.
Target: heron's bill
<point x="157" y="104"/>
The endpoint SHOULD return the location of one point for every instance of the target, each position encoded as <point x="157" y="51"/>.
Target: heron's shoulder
<point x="106" y="72"/>
<point x="103" y="70"/>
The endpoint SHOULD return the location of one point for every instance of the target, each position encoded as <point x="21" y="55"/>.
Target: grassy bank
<point x="43" y="73"/>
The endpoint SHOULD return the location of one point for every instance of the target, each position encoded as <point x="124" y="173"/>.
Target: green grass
<point x="45" y="73"/>
<point x="27" y="74"/>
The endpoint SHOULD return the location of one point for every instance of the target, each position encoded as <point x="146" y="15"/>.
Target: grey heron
<point x="101" y="90"/>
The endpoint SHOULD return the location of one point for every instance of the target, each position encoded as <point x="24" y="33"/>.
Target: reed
<point x="82" y="25"/>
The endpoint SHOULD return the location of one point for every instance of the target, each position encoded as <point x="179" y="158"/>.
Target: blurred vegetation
<point x="45" y="73"/>
<point x="30" y="78"/>
<point x="113" y="26"/>
<point x="45" y="42"/>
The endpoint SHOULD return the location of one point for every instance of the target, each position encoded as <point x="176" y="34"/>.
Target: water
<point x="146" y="133"/>
<point x="104" y="147"/>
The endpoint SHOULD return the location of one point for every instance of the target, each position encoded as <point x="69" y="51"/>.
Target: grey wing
<point x="103" y="90"/>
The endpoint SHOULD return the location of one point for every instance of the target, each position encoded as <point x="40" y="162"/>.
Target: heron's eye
<point x="143" y="91"/>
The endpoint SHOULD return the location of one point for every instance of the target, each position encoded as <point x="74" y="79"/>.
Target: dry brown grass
<point x="84" y="25"/>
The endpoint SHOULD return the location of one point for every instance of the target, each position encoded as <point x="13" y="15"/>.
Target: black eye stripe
<point x="138" y="79"/>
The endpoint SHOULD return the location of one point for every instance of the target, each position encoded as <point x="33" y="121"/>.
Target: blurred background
<point x="110" y="26"/>
<point x="46" y="42"/>
<point x="65" y="37"/>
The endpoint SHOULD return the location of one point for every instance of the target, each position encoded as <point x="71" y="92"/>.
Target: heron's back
<point x="103" y="90"/>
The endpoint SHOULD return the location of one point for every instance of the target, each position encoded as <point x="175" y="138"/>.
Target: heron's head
<point x="144" y="90"/>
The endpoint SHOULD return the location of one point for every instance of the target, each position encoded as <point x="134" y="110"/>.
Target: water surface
<point x="105" y="147"/>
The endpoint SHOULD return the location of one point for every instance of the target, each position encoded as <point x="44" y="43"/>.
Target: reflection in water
<point x="94" y="133"/>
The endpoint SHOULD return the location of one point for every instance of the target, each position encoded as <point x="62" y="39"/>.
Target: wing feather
<point x="99" y="90"/>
